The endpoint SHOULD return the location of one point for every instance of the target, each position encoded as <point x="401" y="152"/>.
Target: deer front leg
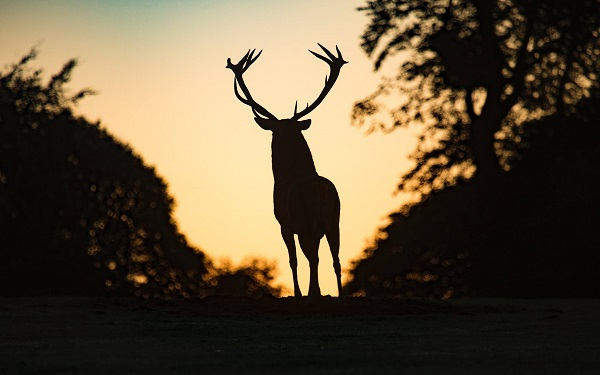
<point x="310" y="247"/>
<point x="288" y="238"/>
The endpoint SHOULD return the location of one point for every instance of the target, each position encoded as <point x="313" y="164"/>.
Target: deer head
<point x="263" y="117"/>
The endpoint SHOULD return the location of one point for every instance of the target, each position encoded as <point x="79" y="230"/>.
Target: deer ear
<point x="264" y="123"/>
<point x="304" y="124"/>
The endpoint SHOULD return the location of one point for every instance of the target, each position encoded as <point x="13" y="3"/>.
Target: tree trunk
<point x="485" y="126"/>
<point x="481" y="142"/>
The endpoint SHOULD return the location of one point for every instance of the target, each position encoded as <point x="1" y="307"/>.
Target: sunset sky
<point x="159" y="68"/>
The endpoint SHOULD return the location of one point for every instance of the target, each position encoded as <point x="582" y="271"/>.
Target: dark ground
<point x="72" y="335"/>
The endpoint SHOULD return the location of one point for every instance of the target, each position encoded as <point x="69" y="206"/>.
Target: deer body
<point x="305" y="204"/>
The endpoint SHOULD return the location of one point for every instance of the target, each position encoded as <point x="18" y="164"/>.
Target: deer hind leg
<point x="288" y="238"/>
<point x="333" y="239"/>
<point x="310" y="248"/>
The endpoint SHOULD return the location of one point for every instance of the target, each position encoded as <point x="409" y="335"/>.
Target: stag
<point x="305" y="204"/>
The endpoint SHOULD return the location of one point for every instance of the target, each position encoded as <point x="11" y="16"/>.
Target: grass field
<point x="85" y="335"/>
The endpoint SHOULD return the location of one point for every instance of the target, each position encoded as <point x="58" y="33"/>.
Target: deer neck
<point x="291" y="158"/>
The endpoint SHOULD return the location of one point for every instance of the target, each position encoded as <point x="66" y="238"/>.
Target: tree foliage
<point x="80" y="212"/>
<point x="472" y="73"/>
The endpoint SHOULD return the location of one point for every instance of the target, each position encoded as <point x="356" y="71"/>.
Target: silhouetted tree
<point x="472" y="73"/>
<point x="486" y="80"/>
<point x="536" y="239"/>
<point x="79" y="211"/>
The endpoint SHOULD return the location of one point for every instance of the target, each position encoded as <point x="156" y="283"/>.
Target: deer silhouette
<point x="305" y="203"/>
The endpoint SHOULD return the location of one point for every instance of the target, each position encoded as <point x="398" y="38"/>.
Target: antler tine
<point x="249" y="60"/>
<point x="331" y="56"/>
<point x="252" y="60"/>
<point x="335" y="65"/>
<point x="339" y="53"/>
<point x="321" y="57"/>
<point x="244" y="60"/>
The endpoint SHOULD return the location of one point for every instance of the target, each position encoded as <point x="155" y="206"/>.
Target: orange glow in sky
<point x="159" y="68"/>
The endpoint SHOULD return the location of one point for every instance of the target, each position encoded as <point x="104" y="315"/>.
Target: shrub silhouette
<point x="252" y="278"/>
<point x="80" y="212"/>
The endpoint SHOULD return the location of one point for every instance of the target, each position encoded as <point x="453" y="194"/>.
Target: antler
<point x="335" y="65"/>
<point x="238" y="70"/>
